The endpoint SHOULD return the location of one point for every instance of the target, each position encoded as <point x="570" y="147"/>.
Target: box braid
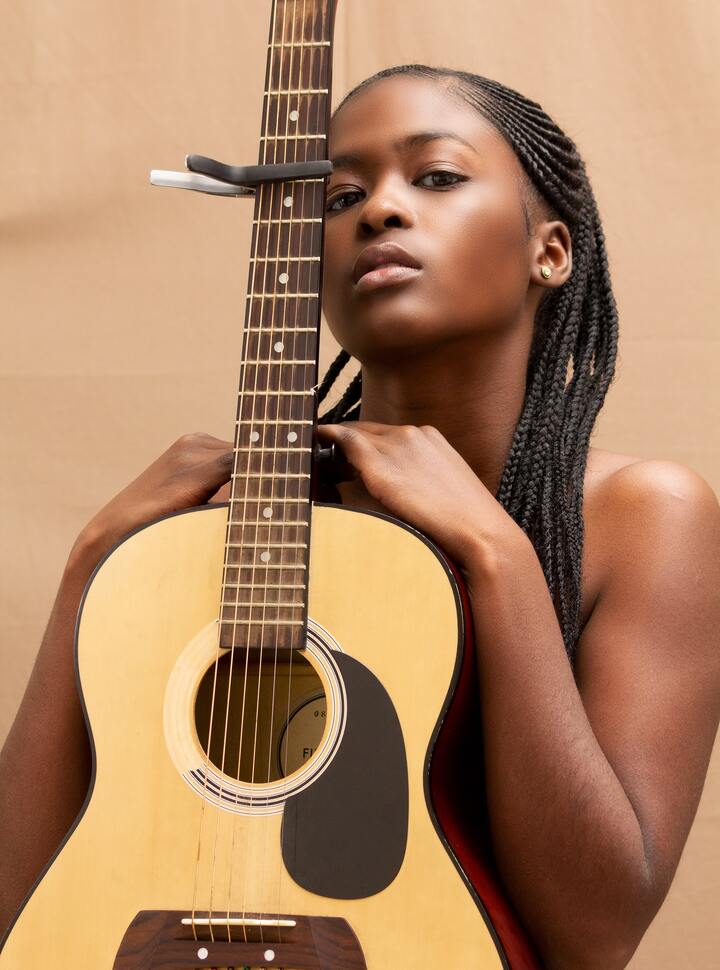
<point x="542" y="482"/>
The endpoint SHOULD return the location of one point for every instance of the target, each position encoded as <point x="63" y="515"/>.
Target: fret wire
<point x="303" y="43"/>
<point x="270" y="475"/>
<point x="291" y="259"/>
<point x="282" y="296"/>
<point x="290" y="137"/>
<point x="268" y="522"/>
<point x="285" y="222"/>
<point x="299" y="91"/>
<point x="265" y="586"/>
<point x="273" y="421"/>
<point x="282" y="333"/>
<point x="266" y="393"/>
<point x="270" y="450"/>
<point x="264" y="603"/>
<point x="264" y="565"/>
<point x="305" y="180"/>
<point x="278" y="361"/>
<point x="262" y="622"/>
<point x="268" y="545"/>
<point x="323" y="179"/>
<point x="267" y="499"/>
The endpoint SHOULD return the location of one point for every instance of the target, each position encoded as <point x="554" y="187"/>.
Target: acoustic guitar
<point x="279" y="691"/>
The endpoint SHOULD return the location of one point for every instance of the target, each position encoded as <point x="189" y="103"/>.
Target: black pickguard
<point x="345" y="835"/>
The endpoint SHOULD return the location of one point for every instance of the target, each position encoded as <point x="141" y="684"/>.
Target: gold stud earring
<point x="546" y="271"/>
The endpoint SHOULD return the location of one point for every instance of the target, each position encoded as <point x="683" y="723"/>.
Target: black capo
<point x="216" y="178"/>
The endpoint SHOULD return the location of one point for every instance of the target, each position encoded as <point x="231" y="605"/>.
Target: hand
<point x="189" y="473"/>
<point x="419" y="477"/>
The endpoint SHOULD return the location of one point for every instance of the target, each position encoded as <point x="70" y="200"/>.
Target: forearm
<point x="45" y="762"/>
<point x="568" y="843"/>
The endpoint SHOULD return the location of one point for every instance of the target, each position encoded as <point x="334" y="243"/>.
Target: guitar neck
<point x="265" y="577"/>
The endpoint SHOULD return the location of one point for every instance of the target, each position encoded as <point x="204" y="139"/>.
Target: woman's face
<point x="466" y="228"/>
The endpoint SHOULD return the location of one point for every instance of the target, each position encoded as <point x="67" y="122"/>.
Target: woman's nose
<point x="385" y="208"/>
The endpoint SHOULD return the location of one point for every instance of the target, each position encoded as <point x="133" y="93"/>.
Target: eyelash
<point x="436" y="171"/>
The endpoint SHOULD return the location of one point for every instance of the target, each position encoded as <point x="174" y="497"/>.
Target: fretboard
<point x="264" y="595"/>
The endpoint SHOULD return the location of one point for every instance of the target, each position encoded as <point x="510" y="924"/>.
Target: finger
<point x="225" y="462"/>
<point x="373" y="427"/>
<point x="219" y="444"/>
<point x="201" y="439"/>
<point x="382" y="430"/>
<point x="357" y="445"/>
<point x="334" y="431"/>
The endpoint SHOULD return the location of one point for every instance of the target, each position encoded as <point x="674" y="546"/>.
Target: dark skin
<point x="592" y="780"/>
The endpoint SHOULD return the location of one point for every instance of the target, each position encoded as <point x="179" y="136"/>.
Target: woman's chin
<point x="379" y="337"/>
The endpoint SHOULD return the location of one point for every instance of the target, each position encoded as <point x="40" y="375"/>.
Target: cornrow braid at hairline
<point x="542" y="482"/>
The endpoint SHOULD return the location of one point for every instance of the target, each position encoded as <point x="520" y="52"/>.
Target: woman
<point x="598" y="685"/>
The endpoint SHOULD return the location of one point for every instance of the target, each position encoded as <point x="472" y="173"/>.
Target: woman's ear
<point x="553" y="252"/>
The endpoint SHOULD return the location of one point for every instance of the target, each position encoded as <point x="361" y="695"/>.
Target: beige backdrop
<point x="121" y="304"/>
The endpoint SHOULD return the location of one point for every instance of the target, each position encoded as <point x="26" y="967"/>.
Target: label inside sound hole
<point x="302" y="733"/>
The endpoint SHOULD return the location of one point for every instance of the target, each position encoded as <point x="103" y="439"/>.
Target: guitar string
<point x="297" y="208"/>
<point x="206" y="763"/>
<point x="289" y="190"/>
<point x="256" y="500"/>
<point x="265" y="203"/>
<point x="306" y="322"/>
<point x="275" y="333"/>
<point x="271" y="499"/>
<point x="294" y="355"/>
<point x="284" y="188"/>
<point x="235" y="627"/>
<point x="254" y="547"/>
<point x="262" y="329"/>
<point x="232" y="522"/>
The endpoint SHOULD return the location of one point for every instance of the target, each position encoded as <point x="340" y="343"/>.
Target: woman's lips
<point x="387" y="274"/>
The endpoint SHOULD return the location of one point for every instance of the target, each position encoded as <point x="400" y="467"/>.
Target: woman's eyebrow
<point x="404" y="144"/>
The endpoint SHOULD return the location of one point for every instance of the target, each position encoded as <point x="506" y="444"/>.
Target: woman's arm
<point x="592" y="785"/>
<point x="592" y="792"/>
<point x="48" y="741"/>
<point x="47" y="745"/>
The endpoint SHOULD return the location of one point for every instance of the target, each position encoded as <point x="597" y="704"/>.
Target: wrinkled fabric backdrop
<point x="122" y="304"/>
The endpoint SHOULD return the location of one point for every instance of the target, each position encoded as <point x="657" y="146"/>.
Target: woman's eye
<point x="337" y="203"/>
<point x="441" y="172"/>
<point x="334" y="207"/>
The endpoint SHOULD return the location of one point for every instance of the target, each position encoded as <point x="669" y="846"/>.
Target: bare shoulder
<point x="612" y="475"/>
<point x="648" y="506"/>
<point x="643" y="510"/>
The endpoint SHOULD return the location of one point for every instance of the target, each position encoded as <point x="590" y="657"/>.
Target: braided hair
<point x="541" y="486"/>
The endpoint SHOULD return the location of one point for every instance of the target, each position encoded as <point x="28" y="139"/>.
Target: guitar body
<point x="388" y="601"/>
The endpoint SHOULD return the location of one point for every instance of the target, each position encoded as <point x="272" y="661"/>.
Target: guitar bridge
<point x="236" y="921"/>
<point x="169" y="940"/>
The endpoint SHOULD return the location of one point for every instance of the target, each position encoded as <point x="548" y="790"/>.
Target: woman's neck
<point x="473" y="398"/>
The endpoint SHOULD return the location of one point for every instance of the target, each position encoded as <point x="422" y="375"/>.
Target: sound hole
<point x="274" y="720"/>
